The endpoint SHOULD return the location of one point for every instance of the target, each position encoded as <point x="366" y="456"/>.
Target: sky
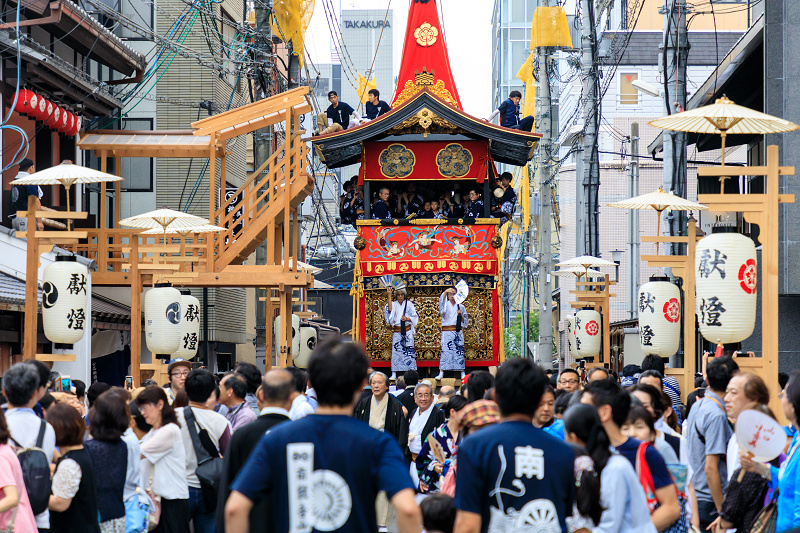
<point x="468" y="29"/>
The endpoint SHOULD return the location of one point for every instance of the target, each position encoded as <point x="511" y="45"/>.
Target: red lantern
<point x="38" y="108"/>
<point x="63" y="122"/>
<point x="26" y="101"/>
<point x="76" y="127"/>
<point x="70" y="122"/>
<point x="53" y="118"/>
<point x="49" y="108"/>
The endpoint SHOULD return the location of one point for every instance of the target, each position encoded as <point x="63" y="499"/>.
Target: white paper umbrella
<point x="577" y="272"/>
<point x="659" y="201"/>
<point x="67" y="174"/>
<point x="205" y="228"/>
<point x="724" y="117"/>
<point x="585" y="261"/>
<point x="164" y="219"/>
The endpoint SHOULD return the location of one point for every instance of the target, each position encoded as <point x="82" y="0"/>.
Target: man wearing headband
<point x="402" y="318"/>
<point x="454" y="319"/>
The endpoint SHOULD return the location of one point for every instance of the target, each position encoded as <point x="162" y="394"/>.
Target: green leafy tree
<point x="513" y="335"/>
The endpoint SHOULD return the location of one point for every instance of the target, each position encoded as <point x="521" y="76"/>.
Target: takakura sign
<point x="367" y="24"/>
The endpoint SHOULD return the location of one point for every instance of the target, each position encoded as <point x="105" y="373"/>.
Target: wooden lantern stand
<point x="763" y="210"/>
<point x="600" y="300"/>
<point x="36" y="240"/>
<point x="682" y="267"/>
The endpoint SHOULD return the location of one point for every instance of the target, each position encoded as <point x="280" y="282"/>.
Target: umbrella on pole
<point x="586" y="262"/>
<point x="183" y="232"/>
<point x="577" y="272"/>
<point x="67" y="174"/>
<point x="165" y="219"/>
<point x="659" y="201"/>
<point x="724" y="117"/>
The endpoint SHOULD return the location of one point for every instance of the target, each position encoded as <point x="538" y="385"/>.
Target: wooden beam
<point x="136" y="315"/>
<point x="216" y="279"/>
<point x="72" y="215"/>
<point x="56" y="357"/>
<point x="54" y="234"/>
<point x="741" y="171"/>
<point x="31" y="284"/>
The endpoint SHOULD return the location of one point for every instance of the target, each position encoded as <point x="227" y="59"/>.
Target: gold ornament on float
<point x="426" y="35"/>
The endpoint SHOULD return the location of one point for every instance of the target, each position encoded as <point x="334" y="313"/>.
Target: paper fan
<point x="462" y="291"/>
<point x="396" y="282"/>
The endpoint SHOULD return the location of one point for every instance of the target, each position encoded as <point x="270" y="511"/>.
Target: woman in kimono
<point x="454" y="319"/>
<point x="402" y="318"/>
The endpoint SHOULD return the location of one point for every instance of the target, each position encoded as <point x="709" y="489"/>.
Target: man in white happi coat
<point x="401" y="315"/>
<point x="454" y="320"/>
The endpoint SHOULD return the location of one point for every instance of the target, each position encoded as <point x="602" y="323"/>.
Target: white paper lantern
<point x="162" y="319"/>
<point x="295" y="333"/>
<point x="726" y="277"/>
<point x="65" y="293"/>
<point x="573" y="350"/>
<point x="190" y="327"/>
<point x="308" y="342"/>
<point x="659" y="318"/>
<point x="588" y="333"/>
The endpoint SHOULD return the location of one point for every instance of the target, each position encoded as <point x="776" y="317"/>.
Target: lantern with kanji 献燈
<point x="190" y="326"/>
<point x="162" y="320"/>
<point x="727" y="281"/>
<point x="65" y="294"/>
<point x="573" y="350"/>
<point x="659" y="318"/>
<point x="588" y="333"/>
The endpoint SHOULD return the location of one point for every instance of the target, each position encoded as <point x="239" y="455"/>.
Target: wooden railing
<point x="265" y="198"/>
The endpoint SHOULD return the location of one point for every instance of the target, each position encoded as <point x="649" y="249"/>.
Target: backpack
<point x="209" y="462"/>
<point x="35" y="472"/>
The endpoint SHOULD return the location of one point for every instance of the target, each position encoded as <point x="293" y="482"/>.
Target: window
<point x="137" y="171"/>
<point x="628" y="95"/>
<point x="139" y="11"/>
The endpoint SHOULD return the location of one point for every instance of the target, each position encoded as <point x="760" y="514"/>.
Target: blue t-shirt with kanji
<point x="323" y="472"/>
<point x="340" y="114"/>
<point x="516" y="476"/>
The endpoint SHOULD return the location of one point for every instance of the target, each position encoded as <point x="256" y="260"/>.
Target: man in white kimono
<point x="402" y="318"/>
<point x="454" y="320"/>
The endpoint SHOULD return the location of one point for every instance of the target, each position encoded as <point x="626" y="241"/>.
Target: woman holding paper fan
<point x="402" y="318"/>
<point x="454" y="320"/>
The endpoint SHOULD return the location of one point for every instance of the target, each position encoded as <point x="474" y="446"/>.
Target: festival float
<point x="428" y="137"/>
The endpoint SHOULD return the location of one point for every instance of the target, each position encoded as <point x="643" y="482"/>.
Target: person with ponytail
<point x="617" y="504"/>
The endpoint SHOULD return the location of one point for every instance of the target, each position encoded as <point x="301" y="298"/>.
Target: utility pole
<point x="633" y="226"/>
<point x="591" y="159"/>
<point x="262" y="140"/>
<point x="580" y="203"/>
<point x="672" y="60"/>
<point x="546" y="124"/>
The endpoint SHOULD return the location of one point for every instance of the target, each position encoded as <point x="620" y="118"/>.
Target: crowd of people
<point x="406" y="201"/>
<point x="339" y="447"/>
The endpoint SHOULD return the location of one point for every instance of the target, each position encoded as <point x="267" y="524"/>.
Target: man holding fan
<point x="454" y="320"/>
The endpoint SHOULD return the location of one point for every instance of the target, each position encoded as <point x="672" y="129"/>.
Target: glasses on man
<point x="423" y="395"/>
<point x="569" y="381"/>
<point x="183" y="373"/>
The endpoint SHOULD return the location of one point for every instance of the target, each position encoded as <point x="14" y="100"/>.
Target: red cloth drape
<point x="436" y="160"/>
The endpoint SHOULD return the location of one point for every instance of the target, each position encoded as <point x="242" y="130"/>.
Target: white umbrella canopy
<point x="164" y="219"/>
<point x="724" y="117"/>
<point x="577" y="272"/>
<point x="205" y="228"/>
<point x="659" y="201"/>
<point x="586" y="262"/>
<point x="67" y="174"/>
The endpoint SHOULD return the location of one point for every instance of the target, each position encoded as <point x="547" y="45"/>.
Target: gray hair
<point x="381" y="374"/>
<point x="425" y="383"/>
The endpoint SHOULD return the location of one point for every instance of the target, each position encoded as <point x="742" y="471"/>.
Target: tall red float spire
<point x="425" y="61"/>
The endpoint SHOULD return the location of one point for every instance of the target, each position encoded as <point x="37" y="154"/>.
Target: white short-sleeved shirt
<point x="23" y="424"/>
<point x="165" y="463"/>
<point x="214" y="423"/>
